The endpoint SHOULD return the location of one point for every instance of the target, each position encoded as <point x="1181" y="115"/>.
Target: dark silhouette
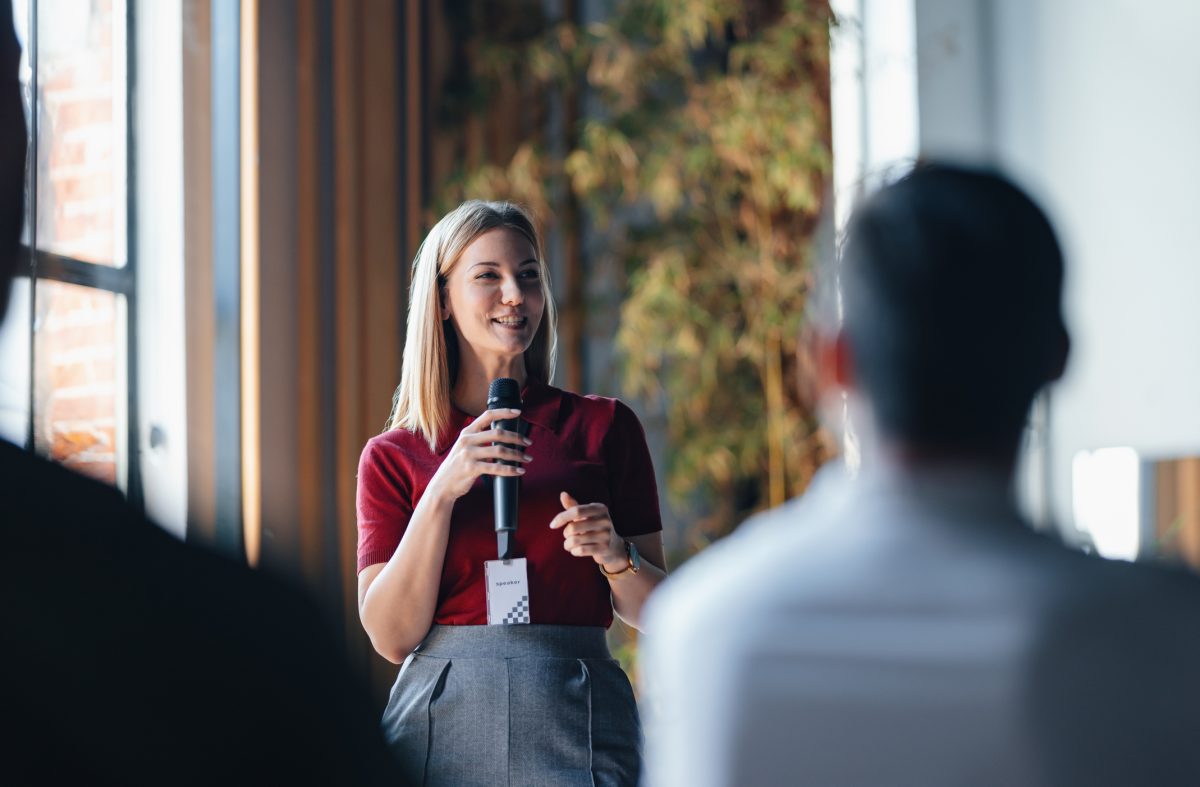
<point x="906" y="626"/>
<point x="129" y="658"/>
<point x="952" y="283"/>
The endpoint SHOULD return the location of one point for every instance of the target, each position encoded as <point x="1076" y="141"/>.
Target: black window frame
<point x="49" y="266"/>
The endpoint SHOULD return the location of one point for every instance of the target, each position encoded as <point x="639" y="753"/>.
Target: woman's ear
<point x="443" y="302"/>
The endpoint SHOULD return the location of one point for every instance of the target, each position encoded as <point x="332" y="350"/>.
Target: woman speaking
<point x="506" y="676"/>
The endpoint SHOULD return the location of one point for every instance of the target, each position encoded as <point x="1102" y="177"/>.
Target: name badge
<point x="507" y="591"/>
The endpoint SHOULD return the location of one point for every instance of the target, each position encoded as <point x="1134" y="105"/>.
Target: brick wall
<point x="79" y="381"/>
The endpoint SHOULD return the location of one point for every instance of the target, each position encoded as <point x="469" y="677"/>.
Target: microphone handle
<point x="504" y="495"/>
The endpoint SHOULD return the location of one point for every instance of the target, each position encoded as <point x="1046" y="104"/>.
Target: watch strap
<point x="630" y="565"/>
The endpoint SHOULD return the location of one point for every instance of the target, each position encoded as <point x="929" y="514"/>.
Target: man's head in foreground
<point x="952" y="287"/>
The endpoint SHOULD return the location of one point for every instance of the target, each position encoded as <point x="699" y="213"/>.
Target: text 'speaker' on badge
<point x="507" y="591"/>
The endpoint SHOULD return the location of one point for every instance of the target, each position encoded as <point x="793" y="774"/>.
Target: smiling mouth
<point x="511" y="322"/>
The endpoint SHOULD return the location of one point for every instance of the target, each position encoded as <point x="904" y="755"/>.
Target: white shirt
<point x="907" y="628"/>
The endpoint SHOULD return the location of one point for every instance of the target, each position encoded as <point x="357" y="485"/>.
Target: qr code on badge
<point x="519" y="613"/>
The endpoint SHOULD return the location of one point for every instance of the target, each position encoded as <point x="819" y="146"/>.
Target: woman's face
<point x="493" y="296"/>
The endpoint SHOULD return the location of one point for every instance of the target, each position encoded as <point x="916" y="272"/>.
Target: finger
<point x="566" y="517"/>
<point x="585" y="511"/>
<point x="508" y="437"/>
<point x="498" y="452"/>
<point x="577" y="512"/>
<point x="570" y="504"/>
<point x="588" y="550"/>
<point x="489" y="436"/>
<point x="579" y="527"/>
<point x="484" y="421"/>
<point x="589" y="539"/>
<point x="495" y="468"/>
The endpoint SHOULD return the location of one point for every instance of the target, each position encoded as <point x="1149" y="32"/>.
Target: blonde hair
<point x="430" y="367"/>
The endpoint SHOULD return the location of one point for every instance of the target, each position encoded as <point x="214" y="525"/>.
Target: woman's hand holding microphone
<point x="476" y="452"/>
<point x="587" y="528"/>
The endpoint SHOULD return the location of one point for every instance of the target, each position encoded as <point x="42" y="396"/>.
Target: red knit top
<point x="591" y="447"/>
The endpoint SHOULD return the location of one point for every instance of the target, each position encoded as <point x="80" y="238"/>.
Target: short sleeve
<point x="631" y="484"/>
<point x="384" y="502"/>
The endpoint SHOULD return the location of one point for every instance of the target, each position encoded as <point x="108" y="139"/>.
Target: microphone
<point x="502" y="393"/>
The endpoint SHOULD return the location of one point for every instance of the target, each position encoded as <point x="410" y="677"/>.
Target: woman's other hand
<point x="588" y="532"/>
<point x="477" y="452"/>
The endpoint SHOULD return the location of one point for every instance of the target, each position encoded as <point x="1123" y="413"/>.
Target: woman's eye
<point x="487" y="275"/>
<point x="530" y="275"/>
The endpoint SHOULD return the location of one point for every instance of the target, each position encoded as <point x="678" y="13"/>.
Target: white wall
<point x="1094" y="105"/>
<point x="873" y="75"/>
<point x="874" y="95"/>
<point x="14" y="361"/>
<point x="162" y="387"/>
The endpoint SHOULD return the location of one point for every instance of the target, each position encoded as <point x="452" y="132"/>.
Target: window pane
<point x="80" y="393"/>
<point x="14" y="366"/>
<point x="81" y="96"/>
<point x="21" y="25"/>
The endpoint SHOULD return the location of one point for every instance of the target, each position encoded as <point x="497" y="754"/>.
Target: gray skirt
<point x="523" y="706"/>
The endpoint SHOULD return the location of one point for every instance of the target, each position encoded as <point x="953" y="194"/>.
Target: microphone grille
<point x="503" y="392"/>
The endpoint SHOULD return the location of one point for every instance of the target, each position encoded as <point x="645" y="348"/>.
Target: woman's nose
<point x="511" y="292"/>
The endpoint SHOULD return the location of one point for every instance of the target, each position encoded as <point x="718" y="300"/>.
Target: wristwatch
<point x="634" y="565"/>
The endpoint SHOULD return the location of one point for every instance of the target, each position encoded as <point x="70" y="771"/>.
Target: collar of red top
<point x="539" y="405"/>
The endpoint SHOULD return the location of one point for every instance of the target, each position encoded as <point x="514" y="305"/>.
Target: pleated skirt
<point x="524" y="706"/>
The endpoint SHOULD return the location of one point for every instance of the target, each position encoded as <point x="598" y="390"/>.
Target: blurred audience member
<point x="132" y="659"/>
<point x="906" y="626"/>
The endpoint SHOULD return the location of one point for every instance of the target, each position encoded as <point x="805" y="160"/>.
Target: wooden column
<point x="330" y="260"/>
<point x="198" y="281"/>
<point x="368" y="282"/>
